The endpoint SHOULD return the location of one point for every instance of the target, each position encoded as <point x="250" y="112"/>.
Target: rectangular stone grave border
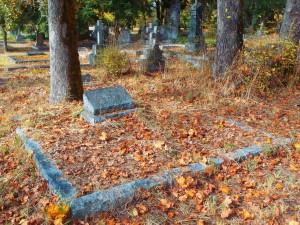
<point x="44" y="48"/>
<point x="118" y="196"/>
<point x="17" y="61"/>
<point x="12" y="68"/>
<point x="35" y="53"/>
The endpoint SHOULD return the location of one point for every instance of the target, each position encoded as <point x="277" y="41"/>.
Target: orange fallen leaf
<point x="225" y="189"/>
<point x="293" y="167"/>
<point x="57" y="214"/>
<point x="278" y="186"/>
<point x="200" y="222"/>
<point x="246" y="215"/>
<point x="181" y="181"/>
<point x="190" y="192"/>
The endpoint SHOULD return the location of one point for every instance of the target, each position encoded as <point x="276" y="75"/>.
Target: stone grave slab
<point x="34" y="53"/>
<point x="103" y="103"/>
<point x="43" y="48"/>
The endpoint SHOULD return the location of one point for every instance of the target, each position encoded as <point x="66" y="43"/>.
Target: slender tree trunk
<point x="158" y="12"/>
<point x="173" y="17"/>
<point x="290" y="27"/>
<point x="4" y="39"/>
<point x="229" y="34"/>
<point x="66" y="81"/>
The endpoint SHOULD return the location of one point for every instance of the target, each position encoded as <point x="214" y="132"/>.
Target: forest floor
<point x="178" y="122"/>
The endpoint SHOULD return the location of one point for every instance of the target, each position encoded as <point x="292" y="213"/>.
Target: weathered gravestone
<point x="104" y="103"/>
<point x="152" y="59"/>
<point x="195" y="38"/>
<point x="39" y="44"/>
<point x="19" y="37"/>
<point x="86" y="78"/>
<point x="125" y="38"/>
<point x="99" y="32"/>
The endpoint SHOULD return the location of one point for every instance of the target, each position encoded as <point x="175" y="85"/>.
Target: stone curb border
<point x="12" y="68"/>
<point x="48" y="169"/>
<point x="105" y="200"/>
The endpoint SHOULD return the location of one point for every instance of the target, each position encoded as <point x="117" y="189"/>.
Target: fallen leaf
<point x="297" y="146"/>
<point x="166" y="203"/>
<point x="24" y="222"/>
<point x="182" y="198"/>
<point x="135" y="212"/>
<point x="225" y="189"/>
<point x="181" y="181"/>
<point x="246" y="215"/>
<point x="190" y="192"/>
<point x="278" y="186"/>
<point x="227" y="201"/>
<point x="103" y="136"/>
<point x="57" y="214"/>
<point x="200" y="222"/>
<point x="293" y="167"/>
<point x="159" y="144"/>
<point x="225" y="213"/>
<point x="293" y="222"/>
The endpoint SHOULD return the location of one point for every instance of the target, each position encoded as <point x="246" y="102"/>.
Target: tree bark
<point x="4" y="39"/>
<point x="173" y="17"/>
<point x="65" y="74"/>
<point x="290" y="27"/>
<point x="229" y="34"/>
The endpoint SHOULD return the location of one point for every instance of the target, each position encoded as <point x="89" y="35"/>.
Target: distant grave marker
<point x="104" y="103"/>
<point x="86" y="78"/>
<point x="125" y="38"/>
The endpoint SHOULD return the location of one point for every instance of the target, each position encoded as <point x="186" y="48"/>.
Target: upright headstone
<point x="99" y="32"/>
<point x="152" y="59"/>
<point x="195" y="38"/>
<point x="150" y="34"/>
<point x="40" y="37"/>
<point x="19" y="37"/>
<point x="100" y="104"/>
<point x="98" y="29"/>
<point x="125" y="38"/>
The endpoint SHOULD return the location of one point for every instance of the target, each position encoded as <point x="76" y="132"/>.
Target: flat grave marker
<point x="100" y="104"/>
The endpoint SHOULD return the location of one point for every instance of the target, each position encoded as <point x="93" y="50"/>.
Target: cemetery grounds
<point x="180" y="119"/>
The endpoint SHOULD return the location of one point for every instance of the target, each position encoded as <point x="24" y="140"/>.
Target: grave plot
<point x="139" y="145"/>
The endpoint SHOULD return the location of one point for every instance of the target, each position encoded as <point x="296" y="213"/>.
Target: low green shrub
<point x="113" y="60"/>
<point x="271" y="66"/>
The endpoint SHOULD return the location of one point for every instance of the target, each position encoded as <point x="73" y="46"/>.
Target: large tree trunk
<point x="229" y="34"/>
<point x="173" y="17"/>
<point x="66" y="81"/>
<point x="290" y="27"/>
<point x="4" y="39"/>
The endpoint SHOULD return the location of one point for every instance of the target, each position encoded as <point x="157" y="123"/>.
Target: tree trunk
<point x="4" y="39"/>
<point x="65" y="81"/>
<point x="173" y="17"/>
<point x="158" y="13"/>
<point x="229" y="34"/>
<point x="290" y="27"/>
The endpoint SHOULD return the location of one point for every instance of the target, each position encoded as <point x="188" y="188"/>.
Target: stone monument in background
<point x="195" y="38"/>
